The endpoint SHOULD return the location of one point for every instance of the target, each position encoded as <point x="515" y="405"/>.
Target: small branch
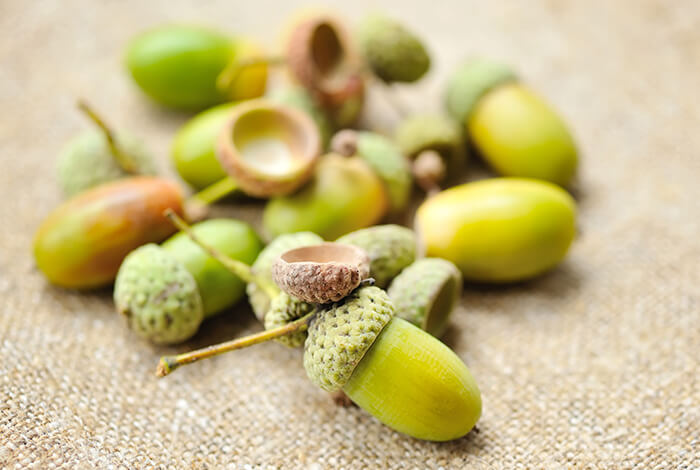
<point x="215" y="191"/>
<point x="238" y="268"/>
<point x="167" y="364"/>
<point x="123" y="160"/>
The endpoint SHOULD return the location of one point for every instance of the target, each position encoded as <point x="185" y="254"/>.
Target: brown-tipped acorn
<point x="321" y="273"/>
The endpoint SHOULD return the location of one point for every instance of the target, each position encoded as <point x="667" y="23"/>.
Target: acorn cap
<point x="470" y="82"/>
<point x="87" y="161"/>
<point x="385" y="159"/>
<point x="323" y="59"/>
<point x="285" y="309"/>
<point x="394" y="53"/>
<point x="269" y="149"/>
<point x="300" y="98"/>
<point x="341" y="333"/>
<point x="321" y="273"/>
<point x="437" y="132"/>
<point x="262" y="266"/>
<point x="426" y="292"/>
<point x="158" y="296"/>
<point x="390" y="249"/>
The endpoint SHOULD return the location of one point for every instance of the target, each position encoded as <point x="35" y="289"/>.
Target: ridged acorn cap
<point x="321" y="273"/>
<point x="260" y="128"/>
<point x="437" y="132"/>
<point x="158" y="296"/>
<point x="341" y="333"/>
<point x="384" y="157"/>
<point x="426" y="292"/>
<point x="87" y="161"/>
<point x="394" y="53"/>
<point x="470" y="81"/>
<point x="285" y="309"/>
<point x="262" y="266"/>
<point x="390" y="249"/>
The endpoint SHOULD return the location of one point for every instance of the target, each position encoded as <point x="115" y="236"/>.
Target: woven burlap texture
<point x="594" y="365"/>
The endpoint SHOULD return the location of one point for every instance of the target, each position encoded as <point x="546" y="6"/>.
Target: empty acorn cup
<point x="268" y="149"/>
<point x="321" y="273"/>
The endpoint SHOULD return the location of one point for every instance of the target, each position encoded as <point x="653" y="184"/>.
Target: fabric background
<point x="594" y="365"/>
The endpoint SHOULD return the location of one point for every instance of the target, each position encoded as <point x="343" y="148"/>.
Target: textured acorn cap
<point x="470" y="81"/>
<point x="158" y="296"/>
<point x="437" y="132"/>
<point x="259" y="127"/>
<point x="341" y="333"/>
<point x="385" y="159"/>
<point x="390" y="249"/>
<point x="285" y="309"/>
<point x="321" y="273"/>
<point x="426" y="292"/>
<point x="323" y="58"/>
<point x="300" y="98"/>
<point x="394" y="53"/>
<point x="87" y="161"/>
<point x="262" y="267"/>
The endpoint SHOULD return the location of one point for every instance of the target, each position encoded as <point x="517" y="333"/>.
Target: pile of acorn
<point x="323" y="181"/>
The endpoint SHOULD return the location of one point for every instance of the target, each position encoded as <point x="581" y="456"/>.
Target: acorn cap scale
<point x="426" y="292"/>
<point x="285" y="309"/>
<point x="262" y="267"/>
<point x="470" y="82"/>
<point x="341" y="333"/>
<point x="321" y="273"/>
<point x="390" y="249"/>
<point x="158" y="296"/>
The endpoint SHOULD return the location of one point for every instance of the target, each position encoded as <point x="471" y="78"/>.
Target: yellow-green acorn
<point x="426" y="293"/>
<point x="262" y="267"/>
<point x="166" y="291"/>
<point x="434" y="132"/>
<point x="394" y="53"/>
<point x="514" y="130"/>
<point x="403" y="376"/>
<point x="390" y="249"/>
<point x="385" y="159"/>
<point x="499" y="230"/>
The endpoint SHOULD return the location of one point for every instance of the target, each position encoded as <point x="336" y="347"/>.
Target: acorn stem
<point x="197" y="206"/>
<point x="227" y="78"/>
<point x="167" y="364"/>
<point x="238" y="268"/>
<point x="429" y="171"/>
<point x="122" y="159"/>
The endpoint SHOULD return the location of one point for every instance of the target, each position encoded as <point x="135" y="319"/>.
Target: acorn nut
<point x="426" y="293"/>
<point x="513" y="129"/>
<point x="321" y="273"/>
<point x="390" y="249"/>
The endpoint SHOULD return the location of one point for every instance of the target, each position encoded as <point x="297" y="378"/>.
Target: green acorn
<point x="390" y="248"/>
<point x="394" y="53"/>
<point x="262" y="267"/>
<point x="98" y="156"/>
<point x="385" y="159"/>
<point x="426" y="293"/>
<point x="158" y="296"/>
<point x="433" y="132"/>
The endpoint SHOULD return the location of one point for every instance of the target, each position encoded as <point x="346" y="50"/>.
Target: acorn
<point x="426" y="293"/>
<point x="262" y="267"/>
<point x="154" y="286"/>
<point x="99" y="156"/>
<point x="321" y="273"/>
<point x="403" y="376"/>
<point x="344" y="194"/>
<point x="390" y="248"/>
<point x="384" y="157"/>
<point x="421" y="133"/>
<point x="512" y="128"/>
<point x="322" y="58"/>
<point x="393" y="53"/>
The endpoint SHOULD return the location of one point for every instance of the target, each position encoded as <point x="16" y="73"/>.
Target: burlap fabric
<point x="594" y="365"/>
